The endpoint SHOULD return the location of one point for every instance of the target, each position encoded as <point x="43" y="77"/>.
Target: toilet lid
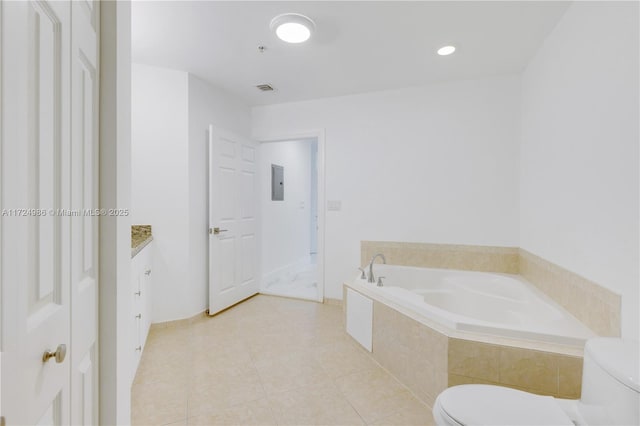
<point x="496" y="405"/>
<point x="618" y="357"/>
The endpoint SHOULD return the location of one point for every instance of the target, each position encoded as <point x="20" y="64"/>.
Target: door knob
<point x="59" y="354"/>
<point x="216" y="230"/>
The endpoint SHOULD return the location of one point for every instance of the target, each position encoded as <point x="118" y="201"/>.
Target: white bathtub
<point x="497" y="304"/>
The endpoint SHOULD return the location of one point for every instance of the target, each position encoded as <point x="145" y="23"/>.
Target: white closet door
<point x="49" y="255"/>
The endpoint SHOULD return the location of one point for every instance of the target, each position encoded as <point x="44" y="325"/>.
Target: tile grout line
<point x="189" y="372"/>
<point x="264" y="391"/>
<point x="333" y="382"/>
<point x="370" y="354"/>
<point x="347" y="399"/>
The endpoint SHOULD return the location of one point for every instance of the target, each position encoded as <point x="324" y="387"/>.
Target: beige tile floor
<point x="269" y="361"/>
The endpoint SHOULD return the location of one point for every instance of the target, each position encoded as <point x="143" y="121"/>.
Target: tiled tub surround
<point x="594" y="305"/>
<point x="446" y="256"/>
<point x="427" y="357"/>
<point x="140" y="237"/>
<point x="413" y="352"/>
<point x="536" y="371"/>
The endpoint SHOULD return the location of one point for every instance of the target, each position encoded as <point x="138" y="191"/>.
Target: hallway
<point x="300" y="281"/>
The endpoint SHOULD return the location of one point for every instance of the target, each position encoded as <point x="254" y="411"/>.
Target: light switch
<point x="334" y="205"/>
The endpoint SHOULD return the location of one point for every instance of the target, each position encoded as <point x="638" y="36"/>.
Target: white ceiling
<point x="358" y="46"/>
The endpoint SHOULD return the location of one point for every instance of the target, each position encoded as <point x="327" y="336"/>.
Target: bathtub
<point x="488" y="303"/>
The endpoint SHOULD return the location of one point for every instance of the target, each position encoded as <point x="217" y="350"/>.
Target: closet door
<point x="49" y="246"/>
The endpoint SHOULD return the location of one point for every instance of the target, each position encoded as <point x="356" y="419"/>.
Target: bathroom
<point x="522" y="142"/>
<point x="159" y="265"/>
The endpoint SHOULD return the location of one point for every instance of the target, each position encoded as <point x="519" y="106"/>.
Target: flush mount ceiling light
<point x="446" y="50"/>
<point x="292" y="27"/>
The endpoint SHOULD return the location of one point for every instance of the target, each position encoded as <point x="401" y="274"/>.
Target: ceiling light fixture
<point x="446" y="50"/>
<point x="292" y="27"/>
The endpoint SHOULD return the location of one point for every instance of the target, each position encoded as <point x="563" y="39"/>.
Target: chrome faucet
<point x="363" y="276"/>
<point x="371" y="278"/>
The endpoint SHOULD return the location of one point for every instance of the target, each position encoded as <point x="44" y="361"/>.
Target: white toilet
<point x="610" y="395"/>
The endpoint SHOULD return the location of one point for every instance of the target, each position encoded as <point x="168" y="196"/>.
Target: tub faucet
<point x="371" y="278"/>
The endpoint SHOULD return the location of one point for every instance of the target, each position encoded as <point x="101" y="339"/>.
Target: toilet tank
<point x="610" y="384"/>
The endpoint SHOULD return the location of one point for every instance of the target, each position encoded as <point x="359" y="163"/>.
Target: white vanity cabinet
<point x="141" y="276"/>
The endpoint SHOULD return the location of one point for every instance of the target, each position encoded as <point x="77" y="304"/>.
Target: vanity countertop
<point x="140" y="237"/>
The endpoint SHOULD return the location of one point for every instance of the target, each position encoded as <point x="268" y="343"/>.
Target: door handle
<point x="59" y="354"/>
<point x="216" y="230"/>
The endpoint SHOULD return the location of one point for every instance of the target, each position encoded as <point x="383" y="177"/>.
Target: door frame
<point x="319" y="135"/>
<point x="2" y="284"/>
<point x="115" y="231"/>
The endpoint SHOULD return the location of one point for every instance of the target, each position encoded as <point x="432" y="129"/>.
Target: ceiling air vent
<point x="265" y="87"/>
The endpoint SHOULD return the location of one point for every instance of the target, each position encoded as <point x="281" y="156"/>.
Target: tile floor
<point x="270" y="361"/>
<point x="300" y="281"/>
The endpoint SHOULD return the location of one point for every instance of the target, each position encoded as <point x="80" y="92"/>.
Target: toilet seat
<point x="496" y="405"/>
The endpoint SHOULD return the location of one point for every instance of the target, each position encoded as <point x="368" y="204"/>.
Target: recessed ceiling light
<point x="446" y="50"/>
<point x="292" y="27"/>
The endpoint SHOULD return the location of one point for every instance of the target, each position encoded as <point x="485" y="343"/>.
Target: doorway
<point x="291" y="260"/>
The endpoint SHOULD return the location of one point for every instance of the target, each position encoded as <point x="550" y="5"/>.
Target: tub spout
<point x="371" y="278"/>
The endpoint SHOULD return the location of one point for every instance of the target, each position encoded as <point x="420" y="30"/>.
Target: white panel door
<point x="233" y="256"/>
<point x="41" y="130"/>
<point x="84" y="198"/>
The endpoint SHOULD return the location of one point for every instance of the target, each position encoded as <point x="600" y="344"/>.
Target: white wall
<point x="207" y="105"/>
<point x="579" y="155"/>
<point x="285" y="224"/>
<point x="160" y="181"/>
<point x="171" y="114"/>
<point x="436" y="163"/>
